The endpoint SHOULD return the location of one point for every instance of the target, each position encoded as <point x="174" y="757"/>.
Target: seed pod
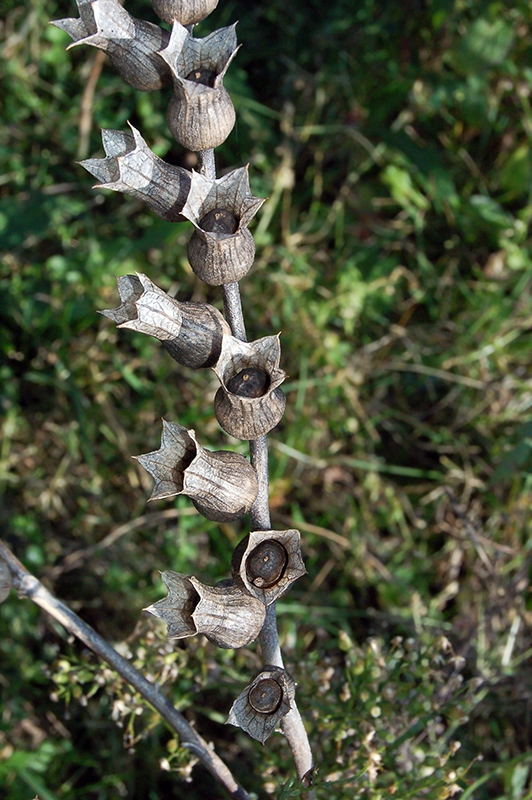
<point x="222" y="485"/>
<point x="221" y="249"/>
<point x="262" y="704"/>
<point x="200" y="114"/>
<point x="266" y="563"/>
<point x="227" y="616"/>
<point x="6" y="580"/>
<point x="132" y="44"/>
<point x="191" y="332"/>
<point x="187" y="12"/>
<point x="132" y="168"/>
<point x="249" y="402"/>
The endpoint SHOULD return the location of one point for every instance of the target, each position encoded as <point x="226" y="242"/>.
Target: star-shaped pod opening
<point x="249" y="403"/>
<point x="266" y="563"/>
<point x="191" y="332"/>
<point x="227" y="616"/>
<point x="131" y="167"/>
<point x="221" y="484"/>
<point x="201" y="114"/>
<point x="221" y="249"/>
<point x="132" y="44"/>
<point x="261" y="706"/>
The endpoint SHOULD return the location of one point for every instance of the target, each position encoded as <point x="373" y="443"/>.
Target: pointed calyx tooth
<point x="221" y="249"/>
<point x="249" y="403"/>
<point x="6" y="580"/>
<point x="222" y="484"/>
<point x="266" y="563"/>
<point x="227" y="616"/>
<point x="200" y="114"/>
<point x="191" y="332"/>
<point x="187" y="12"/>
<point x="132" y="44"/>
<point x="131" y="167"/>
<point x="262" y="705"/>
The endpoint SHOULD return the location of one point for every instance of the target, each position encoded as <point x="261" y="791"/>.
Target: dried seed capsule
<point x="249" y="402"/>
<point x="187" y="12"/>
<point x="222" y="485"/>
<point x="266" y="563"/>
<point x="132" y="44"/>
<point x="191" y="332"/>
<point x="132" y="168"/>
<point x="200" y="114"/>
<point x="221" y="249"/>
<point x="262" y="705"/>
<point x="227" y="616"/>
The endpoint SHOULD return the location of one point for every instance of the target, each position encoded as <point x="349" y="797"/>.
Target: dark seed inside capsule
<point x="266" y="564"/>
<point x="249" y="382"/>
<point x="266" y="696"/>
<point x="202" y="75"/>
<point x="219" y="220"/>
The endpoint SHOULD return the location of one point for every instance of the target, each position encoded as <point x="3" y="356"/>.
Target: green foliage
<point x="393" y="142"/>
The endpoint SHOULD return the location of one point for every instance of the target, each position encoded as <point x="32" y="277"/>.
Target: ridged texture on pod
<point x="187" y="12"/>
<point x="262" y="705"/>
<point x="191" y="332"/>
<point x="224" y="614"/>
<point x="221" y="249"/>
<point x="132" y="168"/>
<point x="266" y="563"/>
<point x="249" y="402"/>
<point x="6" y="580"/>
<point x="133" y="45"/>
<point x="201" y="114"/>
<point x="222" y="485"/>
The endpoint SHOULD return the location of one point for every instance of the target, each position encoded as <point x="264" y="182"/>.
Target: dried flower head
<point x="249" y="402"/>
<point x="201" y="114"/>
<point x="131" y="167"/>
<point x="187" y="12"/>
<point x="221" y="249"/>
<point x="222" y="485"/>
<point x="224" y="614"/>
<point x="262" y="705"/>
<point x="191" y="332"/>
<point x="133" y="45"/>
<point x="266" y="563"/>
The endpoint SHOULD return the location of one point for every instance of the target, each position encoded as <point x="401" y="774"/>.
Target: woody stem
<point x="292" y="723"/>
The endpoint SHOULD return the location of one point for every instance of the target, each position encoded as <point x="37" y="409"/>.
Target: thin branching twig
<point x="27" y="585"/>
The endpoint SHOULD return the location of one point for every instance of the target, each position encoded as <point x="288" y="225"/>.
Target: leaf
<point x="486" y="44"/>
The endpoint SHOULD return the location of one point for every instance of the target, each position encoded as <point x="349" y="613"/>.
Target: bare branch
<point x="29" y="586"/>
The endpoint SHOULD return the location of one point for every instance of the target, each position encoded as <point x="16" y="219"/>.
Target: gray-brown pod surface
<point x="187" y="12"/>
<point x="222" y="485"/>
<point x="227" y="616"/>
<point x="6" y="580"/>
<point x="191" y="332"/>
<point x="131" y="167"/>
<point x="262" y="705"/>
<point x="249" y="402"/>
<point x="200" y="114"/>
<point x="132" y="44"/>
<point x="221" y="249"/>
<point x="266" y="563"/>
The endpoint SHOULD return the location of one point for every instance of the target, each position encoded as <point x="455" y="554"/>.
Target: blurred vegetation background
<point x="393" y="141"/>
